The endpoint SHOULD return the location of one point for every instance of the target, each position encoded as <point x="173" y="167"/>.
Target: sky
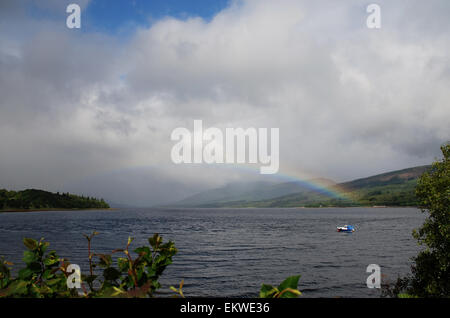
<point x="91" y="110"/>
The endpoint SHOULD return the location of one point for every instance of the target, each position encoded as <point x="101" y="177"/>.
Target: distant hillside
<point x="250" y="191"/>
<point x="388" y="178"/>
<point x="246" y="192"/>
<point x="33" y="199"/>
<point x="394" y="188"/>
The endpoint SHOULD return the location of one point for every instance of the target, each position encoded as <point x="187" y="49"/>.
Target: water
<point x="230" y="252"/>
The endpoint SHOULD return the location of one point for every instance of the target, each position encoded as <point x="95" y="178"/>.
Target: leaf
<point x="181" y="284"/>
<point x="287" y="289"/>
<point x="122" y="263"/>
<point x="290" y="282"/>
<point x="18" y="287"/>
<point x="155" y="241"/>
<point x="180" y="290"/>
<point x="49" y="274"/>
<point x="406" y="296"/>
<point x="53" y="281"/>
<point x="44" y="246"/>
<point x="267" y="291"/>
<point x="43" y="290"/>
<point x="144" y="250"/>
<point x="25" y="273"/>
<point x="35" y="267"/>
<point x="30" y="243"/>
<point x="29" y="257"/>
<point x="117" y="291"/>
<point x="50" y="261"/>
<point x="111" y="273"/>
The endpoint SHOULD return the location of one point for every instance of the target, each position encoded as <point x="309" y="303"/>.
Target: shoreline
<point x="237" y="208"/>
<point x="56" y="209"/>
<point x="293" y="207"/>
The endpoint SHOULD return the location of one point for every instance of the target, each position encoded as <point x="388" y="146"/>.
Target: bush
<point x="45" y="275"/>
<point x="431" y="269"/>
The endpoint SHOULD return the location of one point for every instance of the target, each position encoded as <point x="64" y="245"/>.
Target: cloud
<point x="349" y="101"/>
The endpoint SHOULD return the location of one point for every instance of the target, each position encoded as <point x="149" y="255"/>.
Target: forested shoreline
<point x="33" y="199"/>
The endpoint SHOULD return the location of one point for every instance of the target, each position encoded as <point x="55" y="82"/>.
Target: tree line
<point x="38" y="199"/>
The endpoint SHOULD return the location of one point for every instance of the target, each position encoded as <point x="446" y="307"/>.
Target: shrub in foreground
<point x="130" y="274"/>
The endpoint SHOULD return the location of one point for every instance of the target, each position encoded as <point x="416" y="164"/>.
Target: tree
<point x="431" y="268"/>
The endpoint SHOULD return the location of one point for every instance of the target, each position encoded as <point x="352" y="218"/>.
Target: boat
<point x="346" y="228"/>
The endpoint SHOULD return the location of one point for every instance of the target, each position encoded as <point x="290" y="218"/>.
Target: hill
<point x="33" y="199"/>
<point x="395" y="188"/>
<point x="246" y="192"/>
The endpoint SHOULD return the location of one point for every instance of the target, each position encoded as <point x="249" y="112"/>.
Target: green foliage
<point x="406" y="296"/>
<point x="431" y="269"/>
<point x="5" y="273"/>
<point x="135" y="274"/>
<point x="32" y="199"/>
<point x="45" y="274"/>
<point x="287" y="289"/>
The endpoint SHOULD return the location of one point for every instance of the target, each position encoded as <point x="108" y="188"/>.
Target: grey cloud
<point x="349" y="101"/>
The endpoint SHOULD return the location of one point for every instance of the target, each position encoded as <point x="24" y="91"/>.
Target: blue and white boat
<point x="346" y="228"/>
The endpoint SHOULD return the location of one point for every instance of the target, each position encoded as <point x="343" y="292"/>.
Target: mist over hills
<point x="248" y="191"/>
<point x="394" y="188"/>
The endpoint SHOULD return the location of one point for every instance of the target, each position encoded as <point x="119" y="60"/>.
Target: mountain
<point x="32" y="199"/>
<point x="246" y="192"/>
<point x="388" y="178"/>
<point x="395" y="188"/>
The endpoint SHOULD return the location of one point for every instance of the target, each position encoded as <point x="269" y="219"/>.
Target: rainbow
<point x="334" y="192"/>
<point x="308" y="182"/>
